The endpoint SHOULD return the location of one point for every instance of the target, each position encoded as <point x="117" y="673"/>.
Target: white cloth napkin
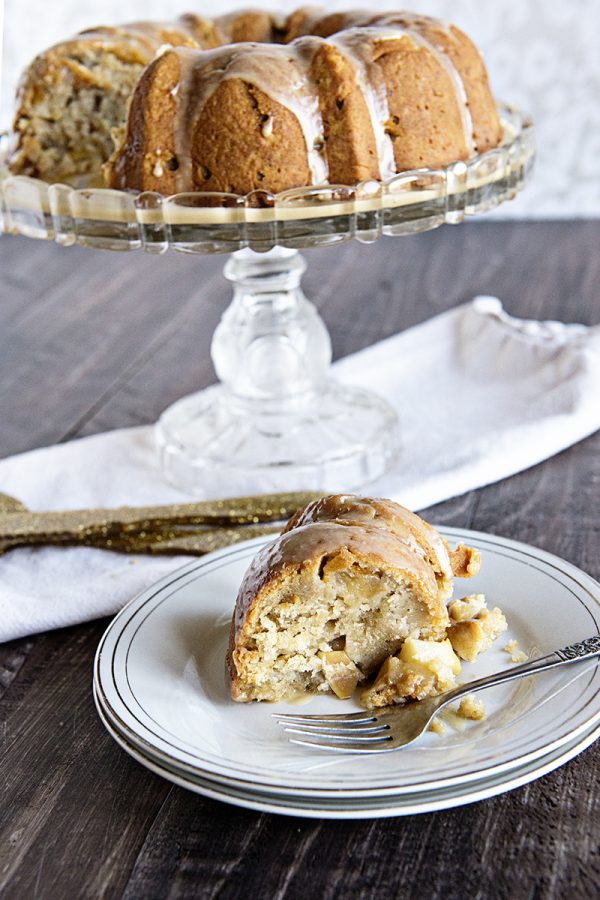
<point x="480" y="396"/>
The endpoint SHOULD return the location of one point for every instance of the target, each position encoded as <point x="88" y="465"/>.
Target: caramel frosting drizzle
<point x="406" y="525"/>
<point x="376" y="531"/>
<point x="315" y="540"/>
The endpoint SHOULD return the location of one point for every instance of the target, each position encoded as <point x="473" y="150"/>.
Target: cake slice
<point x="72" y="96"/>
<point x="339" y="592"/>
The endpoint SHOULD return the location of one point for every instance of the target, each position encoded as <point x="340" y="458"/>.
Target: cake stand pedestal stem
<point x="277" y="420"/>
<point x="271" y="349"/>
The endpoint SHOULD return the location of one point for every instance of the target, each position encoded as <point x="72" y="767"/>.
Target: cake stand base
<point x="278" y="421"/>
<point x="342" y="441"/>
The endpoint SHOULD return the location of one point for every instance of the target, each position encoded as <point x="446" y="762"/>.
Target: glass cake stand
<point x="277" y="420"/>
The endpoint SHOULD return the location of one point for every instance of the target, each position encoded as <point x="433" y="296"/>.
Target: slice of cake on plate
<point x="354" y="588"/>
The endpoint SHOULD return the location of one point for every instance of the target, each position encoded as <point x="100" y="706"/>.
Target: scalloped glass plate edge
<point x="313" y="216"/>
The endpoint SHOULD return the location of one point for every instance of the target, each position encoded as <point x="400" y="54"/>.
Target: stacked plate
<point x="161" y="690"/>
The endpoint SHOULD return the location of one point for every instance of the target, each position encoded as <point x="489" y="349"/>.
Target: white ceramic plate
<point x="356" y="807"/>
<point x="160" y="678"/>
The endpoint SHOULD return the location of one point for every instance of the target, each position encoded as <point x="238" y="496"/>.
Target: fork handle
<point x="578" y="652"/>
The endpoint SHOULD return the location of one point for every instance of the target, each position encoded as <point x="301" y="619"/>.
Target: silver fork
<point x="393" y="727"/>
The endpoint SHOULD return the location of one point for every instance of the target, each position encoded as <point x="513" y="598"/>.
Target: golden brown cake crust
<point x="384" y="94"/>
<point x="272" y="158"/>
<point x="453" y="42"/>
<point x="255" y="25"/>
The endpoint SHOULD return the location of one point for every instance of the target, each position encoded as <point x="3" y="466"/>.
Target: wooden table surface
<point x="91" y="341"/>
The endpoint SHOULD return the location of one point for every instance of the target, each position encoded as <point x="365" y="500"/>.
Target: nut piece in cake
<point x="474" y="627"/>
<point x="421" y="669"/>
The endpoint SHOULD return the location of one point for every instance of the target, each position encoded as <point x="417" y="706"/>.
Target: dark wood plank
<point x="91" y="341"/>
<point x="58" y="772"/>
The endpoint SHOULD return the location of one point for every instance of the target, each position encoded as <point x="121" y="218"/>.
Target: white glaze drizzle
<point x="408" y="24"/>
<point x="351" y="44"/>
<point x="181" y="93"/>
<point x="412" y="30"/>
<point x="279" y="71"/>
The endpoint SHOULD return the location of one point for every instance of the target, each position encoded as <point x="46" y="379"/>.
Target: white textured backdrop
<point x="543" y="56"/>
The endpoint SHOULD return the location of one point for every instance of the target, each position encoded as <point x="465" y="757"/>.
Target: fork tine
<point x="339" y="737"/>
<point x="333" y="728"/>
<point x="349" y="746"/>
<point x="365" y="716"/>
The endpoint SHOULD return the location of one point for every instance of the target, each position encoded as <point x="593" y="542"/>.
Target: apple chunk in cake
<point x="474" y="627"/>
<point x="425" y="668"/>
<point x="422" y="669"/>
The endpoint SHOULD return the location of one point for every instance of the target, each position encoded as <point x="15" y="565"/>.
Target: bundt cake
<point x="249" y="102"/>
<point x="350" y="583"/>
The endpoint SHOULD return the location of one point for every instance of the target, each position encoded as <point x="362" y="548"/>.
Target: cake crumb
<point x="514" y="651"/>
<point x="437" y="727"/>
<point x="469" y="708"/>
<point x="451" y="717"/>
